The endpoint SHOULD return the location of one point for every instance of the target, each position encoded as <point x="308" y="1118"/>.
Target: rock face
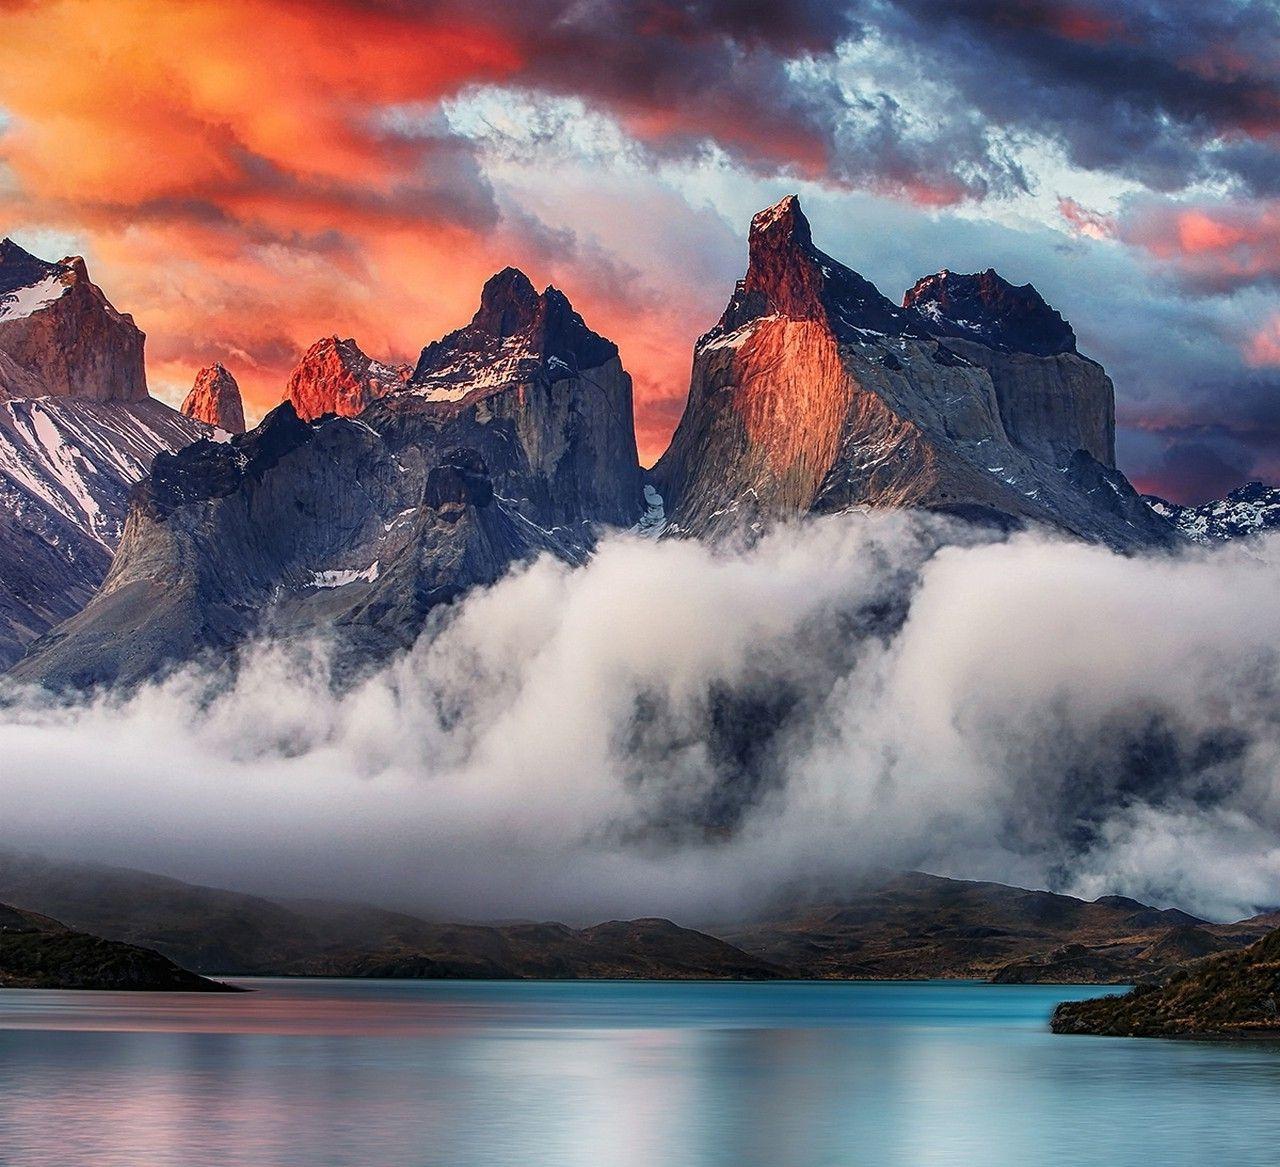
<point x="815" y="393"/>
<point x="1052" y="400"/>
<point x="215" y="400"/>
<point x="1252" y="509"/>
<point x="363" y="527"/>
<point x="66" y="470"/>
<point x="62" y="334"/>
<point x="528" y="359"/>
<point x="77" y="430"/>
<point x="334" y="376"/>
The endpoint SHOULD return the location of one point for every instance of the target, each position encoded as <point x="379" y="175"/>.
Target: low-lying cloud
<point x="685" y="731"/>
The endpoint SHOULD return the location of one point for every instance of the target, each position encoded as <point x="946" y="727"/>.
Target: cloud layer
<point x="681" y="731"/>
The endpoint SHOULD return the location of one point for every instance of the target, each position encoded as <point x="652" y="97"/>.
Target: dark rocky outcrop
<point x="360" y="527"/>
<point x="1234" y="994"/>
<point x="58" y="328"/>
<point x="335" y="376"/>
<point x="215" y="400"/>
<point x="529" y="359"/>
<point x="37" y="952"/>
<point x="816" y="393"/>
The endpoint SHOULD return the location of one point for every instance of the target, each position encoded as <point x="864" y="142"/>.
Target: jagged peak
<point x="515" y="331"/>
<point x="788" y="276"/>
<point x="986" y="307"/>
<point x="19" y="268"/>
<point x="508" y="303"/>
<point x="215" y="399"/>
<point x="785" y="219"/>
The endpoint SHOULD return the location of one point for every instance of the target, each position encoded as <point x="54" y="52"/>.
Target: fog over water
<point x="682" y="731"/>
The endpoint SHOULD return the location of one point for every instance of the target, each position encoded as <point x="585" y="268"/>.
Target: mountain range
<point x="905" y="926"/>
<point x="140" y="537"/>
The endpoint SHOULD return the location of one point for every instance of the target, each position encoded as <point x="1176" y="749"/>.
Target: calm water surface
<point x="467" y="1074"/>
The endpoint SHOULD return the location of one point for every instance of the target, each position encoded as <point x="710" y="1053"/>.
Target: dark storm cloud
<point x="1167" y="92"/>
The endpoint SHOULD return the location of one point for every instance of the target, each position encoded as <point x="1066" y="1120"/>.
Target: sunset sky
<point x="245" y="176"/>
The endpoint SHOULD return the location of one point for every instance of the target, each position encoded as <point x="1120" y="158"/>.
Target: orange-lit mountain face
<point x="815" y="393"/>
<point x="215" y="400"/>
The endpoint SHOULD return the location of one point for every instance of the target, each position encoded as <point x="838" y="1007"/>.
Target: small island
<point x="1234" y="994"/>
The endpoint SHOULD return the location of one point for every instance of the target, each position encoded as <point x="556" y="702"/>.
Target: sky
<point x="249" y="175"/>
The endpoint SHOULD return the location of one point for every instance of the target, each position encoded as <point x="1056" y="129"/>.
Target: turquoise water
<point x="521" y="1074"/>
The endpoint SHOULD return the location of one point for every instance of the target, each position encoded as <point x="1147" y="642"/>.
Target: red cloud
<point x="1215" y="246"/>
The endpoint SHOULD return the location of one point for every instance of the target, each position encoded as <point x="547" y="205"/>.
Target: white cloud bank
<point x="673" y="730"/>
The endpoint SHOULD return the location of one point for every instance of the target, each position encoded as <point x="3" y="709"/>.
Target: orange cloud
<point x="1217" y="246"/>
<point x="231" y="169"/>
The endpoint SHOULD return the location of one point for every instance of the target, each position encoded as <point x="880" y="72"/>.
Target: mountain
<point x="37" y="952"/>
<point x="1235" y="994"/>
<point x="361" y="526"/>
<point x="1251" y="509"/>
<point x="77" y="430"/>
<point x="918" y="926"/>
<point x="215" y="400"/>
<point x="334" y="376"/>
<point x="815" y="393"/>
<point x="63" y="335"/>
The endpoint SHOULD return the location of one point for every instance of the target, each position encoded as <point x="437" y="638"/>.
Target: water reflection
<point x="411" y="1074"/>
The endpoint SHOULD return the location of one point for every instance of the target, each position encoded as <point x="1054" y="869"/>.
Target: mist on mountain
<point x="694" y="730"/>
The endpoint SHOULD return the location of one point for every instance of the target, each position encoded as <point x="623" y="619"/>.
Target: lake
<point x="316" y="1073"/>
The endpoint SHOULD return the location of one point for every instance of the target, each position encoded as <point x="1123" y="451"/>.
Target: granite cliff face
<point x="1052" y="400"/>
<point x="335" y="376"/>
<point x="77" y="430"/>
<point x="815" y="393"/>
<point x="215" y="400"/>
<point x="62" y="334"/>
<point x="360" y="527"/>
<point x="527" y="359"/>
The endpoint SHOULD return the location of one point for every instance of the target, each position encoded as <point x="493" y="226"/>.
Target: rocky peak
<point x="515" y="336"/>
<point x="20" y="269"/>
<point x="987" y="308"/>
<point x="215" y="400"/>
<point x="61" y="333"/>
<point x="788" y="276"/>
<point x="508" y="303"/>
<point x="335" y="376"/>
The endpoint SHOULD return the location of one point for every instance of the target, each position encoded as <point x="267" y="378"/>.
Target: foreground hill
<point x="1236" y="994"/>
<point x="648" y="949"/>
<point x="213" y="930"/>
<point x="37" y="952"/>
